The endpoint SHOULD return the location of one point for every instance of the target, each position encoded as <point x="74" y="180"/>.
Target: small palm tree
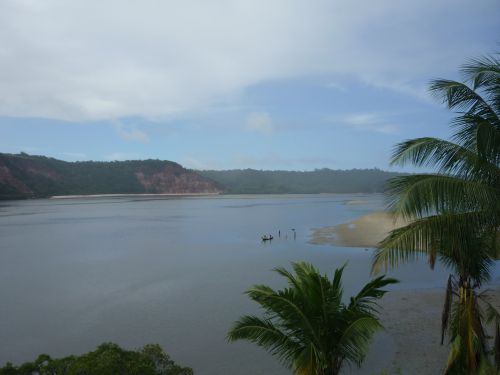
<point x="454" y="214"/>
<point x="308" y="326"/>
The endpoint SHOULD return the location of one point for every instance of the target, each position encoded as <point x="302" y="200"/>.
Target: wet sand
<point x="411" y="342"/>
<point x="366" y="231"/>
<point x="412" y="321"/>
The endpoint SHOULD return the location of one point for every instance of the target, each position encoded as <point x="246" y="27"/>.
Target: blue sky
<point x="282" y="84"/>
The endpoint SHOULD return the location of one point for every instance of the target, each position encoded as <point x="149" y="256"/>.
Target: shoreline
<point x="219" y="194"/>
<point x="133" y="195"/>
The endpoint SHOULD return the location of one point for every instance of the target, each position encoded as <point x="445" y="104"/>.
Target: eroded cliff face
<point x="26" y="176"/>
<point x="8" y="180"/>
<point x="173" y="179"/>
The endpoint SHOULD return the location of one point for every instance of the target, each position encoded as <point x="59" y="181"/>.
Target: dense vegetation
<point x="107" y="359"/>
<point x="251" y="181"/>
<point x="454" y="213"/>
<point x="24" y="176"/>
<point x="28" y="176"/>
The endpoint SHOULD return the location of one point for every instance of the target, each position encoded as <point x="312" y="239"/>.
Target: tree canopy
<point x="107" y="359"/>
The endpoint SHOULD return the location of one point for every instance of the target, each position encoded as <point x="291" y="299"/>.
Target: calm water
<point x="75" y="273"/>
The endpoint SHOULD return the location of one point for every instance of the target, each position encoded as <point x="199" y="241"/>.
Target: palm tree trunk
<point x="447" y="308"/>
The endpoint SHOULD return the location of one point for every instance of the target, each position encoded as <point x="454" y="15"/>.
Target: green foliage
<point x="107" y="359"/>
<point x="39" y="176"/>
<point x="308" y="326"/>
<point x="250" y="181"/>
<point x="454" y="214"/>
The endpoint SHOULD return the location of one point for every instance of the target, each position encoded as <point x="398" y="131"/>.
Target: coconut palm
<point x="308" y="326"/>
<point x="454" y="214"/>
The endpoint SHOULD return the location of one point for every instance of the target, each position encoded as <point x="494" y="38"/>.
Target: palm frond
<point x="365" y="300"/>
<point x="447" y="157"/>
<point x="264" y="333"/>
<point x="459" y="96"/>
<point x="449" y="231"/>
<point x="286" y="305"/>
<point x="455" y="350"/>
<point x="484" y="73"/>
<point x="356" y="338"/>
<point x="478" y="135"/>
<point x="418" y="196"/>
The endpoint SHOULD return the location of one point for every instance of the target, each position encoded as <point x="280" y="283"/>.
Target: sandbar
<point x="366" y="231"/>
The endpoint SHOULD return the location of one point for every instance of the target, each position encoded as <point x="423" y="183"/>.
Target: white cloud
<point x="130" y="133"/>
<point x="260" y="122"/>
<point x="105" y="59"/>
<point x="368" y="121"/>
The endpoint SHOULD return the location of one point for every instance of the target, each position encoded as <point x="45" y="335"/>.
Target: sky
<point x="224" y="84"/>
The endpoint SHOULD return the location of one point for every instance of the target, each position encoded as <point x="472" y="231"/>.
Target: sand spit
<point x="356" y="202"/>
<point x="133" y="195"/>
<point x="366" y="231"/>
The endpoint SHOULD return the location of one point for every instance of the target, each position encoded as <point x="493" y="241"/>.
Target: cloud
<point x="130" y="133"/>
<point x="367" y="121"/>
<point x="103" y="59"/>
<point x="260" y="122"/>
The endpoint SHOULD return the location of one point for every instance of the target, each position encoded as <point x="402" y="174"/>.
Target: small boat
<point x="267" y="238"/>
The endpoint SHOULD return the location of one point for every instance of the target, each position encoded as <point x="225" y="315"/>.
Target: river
<point x="78" y="272"/>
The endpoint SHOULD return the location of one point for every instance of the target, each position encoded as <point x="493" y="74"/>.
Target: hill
<point x="251" y="181"/>
<point x="28" y="176"/>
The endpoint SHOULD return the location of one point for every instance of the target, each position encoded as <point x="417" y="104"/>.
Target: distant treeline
<point x="30" y="176"/>
<point x="251" y="181"/>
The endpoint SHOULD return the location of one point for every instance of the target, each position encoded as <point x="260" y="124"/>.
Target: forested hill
<point x="250" y="181"/>
<point x="27" y="176"/>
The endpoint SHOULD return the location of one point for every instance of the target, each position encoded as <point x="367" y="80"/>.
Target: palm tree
<point x="308" y="326"/>
<point x="454" y="214"/>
